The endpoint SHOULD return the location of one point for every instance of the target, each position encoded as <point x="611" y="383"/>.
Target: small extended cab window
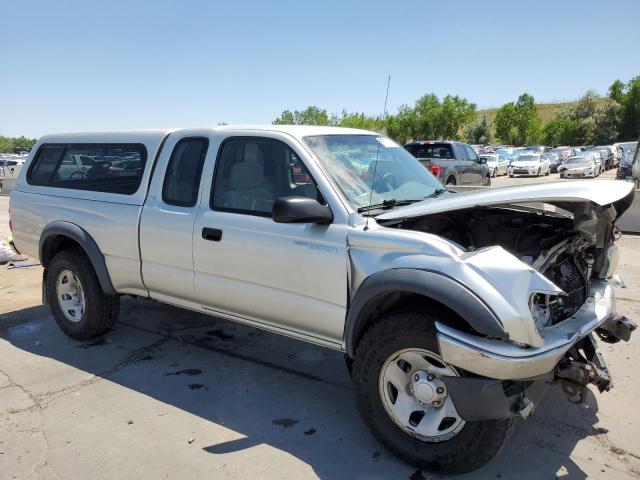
<point x="112" y="168"/>
<point x="252" y="172"/>
<point x="182" y="179"/>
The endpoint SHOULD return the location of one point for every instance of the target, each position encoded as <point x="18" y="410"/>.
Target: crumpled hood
<point x="600" y="192"/>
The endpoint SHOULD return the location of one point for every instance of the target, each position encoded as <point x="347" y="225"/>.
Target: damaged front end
<point x="545" y="265"/>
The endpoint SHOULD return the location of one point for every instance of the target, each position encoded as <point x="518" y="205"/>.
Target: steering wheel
<point x="390" y="181"/>
<point x="80" y="174"/>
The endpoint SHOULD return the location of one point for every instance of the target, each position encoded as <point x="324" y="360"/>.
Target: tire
<point x="487" y="181"/>
<point x="539" y="171"/>
<point x="472" y="446"/>
<point x="100" y="311"/>
<point x="494" y="172"/>
<point x="451" y="181"/>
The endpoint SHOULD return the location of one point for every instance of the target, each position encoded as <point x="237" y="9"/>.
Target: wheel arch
<point x="396" y="289"/>
<point x="58" y="236"/>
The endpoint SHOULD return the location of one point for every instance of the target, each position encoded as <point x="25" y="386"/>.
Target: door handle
<point x="213" y="234"/>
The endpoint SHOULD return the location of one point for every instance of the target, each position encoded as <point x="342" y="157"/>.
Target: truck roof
<point x="297" y="131"/>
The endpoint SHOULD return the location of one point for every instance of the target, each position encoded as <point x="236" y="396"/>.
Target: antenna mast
<point x="375" y="164"/>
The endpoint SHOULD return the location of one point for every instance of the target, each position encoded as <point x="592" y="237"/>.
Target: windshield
<point x="528" y="158"/>
<point x="350" y="162"/>
<point x="578" y="160"/>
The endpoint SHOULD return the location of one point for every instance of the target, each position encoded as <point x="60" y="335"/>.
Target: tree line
<point x="8" y="144"/>
<point x="590" y="120"/>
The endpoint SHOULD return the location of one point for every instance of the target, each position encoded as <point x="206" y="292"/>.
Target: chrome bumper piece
<point x="501" y="360"/>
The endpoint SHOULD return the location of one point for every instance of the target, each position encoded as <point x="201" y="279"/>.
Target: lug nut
<point x="416" y="377"/>
<point x="440" y="390"/>
<point x="430" y="377"/>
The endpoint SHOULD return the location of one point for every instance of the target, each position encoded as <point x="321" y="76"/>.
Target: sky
<point x="111" y="65"/>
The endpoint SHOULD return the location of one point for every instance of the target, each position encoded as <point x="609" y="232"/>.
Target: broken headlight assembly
<point x="542" y="308"/>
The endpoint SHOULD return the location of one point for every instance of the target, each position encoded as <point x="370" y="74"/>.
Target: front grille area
<point x="570" y="277"/>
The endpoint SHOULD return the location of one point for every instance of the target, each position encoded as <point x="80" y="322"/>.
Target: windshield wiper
<point x="437" y="192"/>
<point x="392" y="202"/>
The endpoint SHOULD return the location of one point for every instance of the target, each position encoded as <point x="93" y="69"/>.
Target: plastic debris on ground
<point x="8" y="254"/>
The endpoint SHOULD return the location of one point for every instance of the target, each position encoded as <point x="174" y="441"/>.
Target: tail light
<point x="435" y="170"/>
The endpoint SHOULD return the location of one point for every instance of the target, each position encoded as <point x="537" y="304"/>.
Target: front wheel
<point x="78" y="304"/>
<point x="487" y="181"/>
<point x="401" y="396"/>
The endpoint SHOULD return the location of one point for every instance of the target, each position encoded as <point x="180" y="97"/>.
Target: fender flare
<point x="86" y="242"/>
<point x="431" y="284"/>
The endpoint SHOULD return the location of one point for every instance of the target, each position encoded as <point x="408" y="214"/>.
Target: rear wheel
<point x="487" y="181"/>
<point x="401" y="396"/>
<point x="451" y="180"/>
<point x="78" y="304"/>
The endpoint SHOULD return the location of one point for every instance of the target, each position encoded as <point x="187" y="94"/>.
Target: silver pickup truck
<point x="456" y="312"/>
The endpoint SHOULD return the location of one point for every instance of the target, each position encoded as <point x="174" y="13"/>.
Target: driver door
<point x="289" y="277"/>
<point x="475" y="169"/>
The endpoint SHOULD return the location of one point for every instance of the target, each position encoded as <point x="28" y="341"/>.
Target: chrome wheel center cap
<point x="426" y="388"/>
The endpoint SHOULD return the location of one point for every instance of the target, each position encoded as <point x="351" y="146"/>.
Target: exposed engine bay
<point x="566" y="251"/>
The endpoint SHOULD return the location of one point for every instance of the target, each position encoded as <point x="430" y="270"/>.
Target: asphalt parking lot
<point x="174" y="394"/>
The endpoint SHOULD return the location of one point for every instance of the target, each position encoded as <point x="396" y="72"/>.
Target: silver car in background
<point x="582" y="165"/>
<point x="529" y="164"/>
<point x="497" y="163"/>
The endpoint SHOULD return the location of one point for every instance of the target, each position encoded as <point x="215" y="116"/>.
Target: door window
<point x="182" y="179"/>
<point x="251" y="173"/>
<point x="471" y="155"/>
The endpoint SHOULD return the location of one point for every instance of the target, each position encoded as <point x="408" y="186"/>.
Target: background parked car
<point x="529" y="164"/>
<point x="630" y="162"/>
<point x="453" y="163"/>
<point x="555" y="160"/>
<point x="608" y="156"/>
<point x="497" y="163"/>
<point x="540" y="149"/>
<point x="580" y="166"/>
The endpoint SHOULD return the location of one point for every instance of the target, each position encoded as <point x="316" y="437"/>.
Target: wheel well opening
<point x="402" y="302"/>
<point x="54" y="245"/>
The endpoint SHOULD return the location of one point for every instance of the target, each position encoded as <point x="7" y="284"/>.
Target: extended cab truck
<point x="453" y="163"/>
<point x="456" y="312"/>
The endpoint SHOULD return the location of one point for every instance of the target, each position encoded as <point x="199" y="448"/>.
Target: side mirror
<point x="482" y="160"/>
<point x="300" y="210"/>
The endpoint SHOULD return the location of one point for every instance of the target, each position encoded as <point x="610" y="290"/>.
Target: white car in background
<point x="529" y="164"/>
<point x="497" y="163"/>
<point x="583" y="165"/>
<point x="10" y="167"/>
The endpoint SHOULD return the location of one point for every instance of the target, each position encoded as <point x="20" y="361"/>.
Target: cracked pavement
<point x="175" y="394"/>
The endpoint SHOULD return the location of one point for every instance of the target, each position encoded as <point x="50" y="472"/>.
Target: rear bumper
<point x="503" y="361"/>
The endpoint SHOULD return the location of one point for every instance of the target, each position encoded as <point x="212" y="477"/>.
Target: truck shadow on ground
<point x="287" y="394"/>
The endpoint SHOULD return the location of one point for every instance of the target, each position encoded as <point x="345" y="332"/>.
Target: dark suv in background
<point x="453" y="163"/>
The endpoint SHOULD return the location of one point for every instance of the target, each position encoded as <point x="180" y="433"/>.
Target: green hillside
<point x="546" y="110"/>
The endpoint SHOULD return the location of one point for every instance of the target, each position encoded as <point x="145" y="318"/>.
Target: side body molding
<point x="434" y="285"/>
<point x="87" y="243"/>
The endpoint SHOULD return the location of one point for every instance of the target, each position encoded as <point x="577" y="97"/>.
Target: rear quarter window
<point x="105" y="167"/>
